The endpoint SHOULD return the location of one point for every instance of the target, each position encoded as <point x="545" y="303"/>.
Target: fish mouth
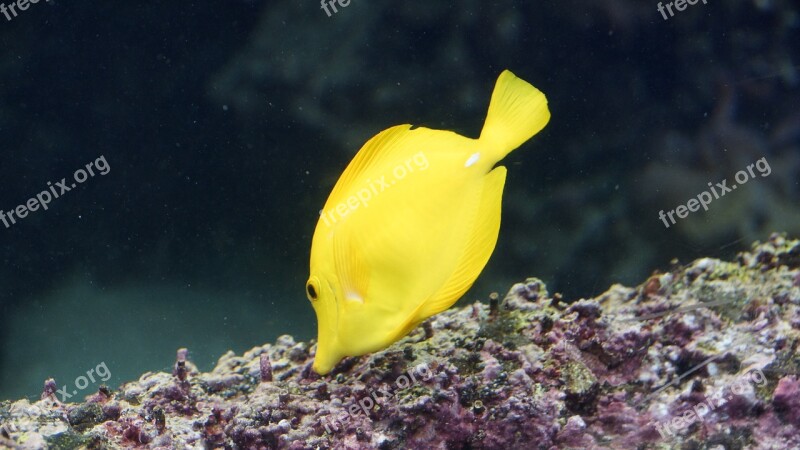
<point x="319" y="368"/>
<point x="327" y="309"/>
<point x="324" y="360"/>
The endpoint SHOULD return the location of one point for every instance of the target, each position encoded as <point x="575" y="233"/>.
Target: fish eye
<point x="311" y="290"/>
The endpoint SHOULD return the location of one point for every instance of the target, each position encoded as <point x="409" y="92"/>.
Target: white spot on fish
<point x="354" y="296"/>
<point x="472" y="159"/>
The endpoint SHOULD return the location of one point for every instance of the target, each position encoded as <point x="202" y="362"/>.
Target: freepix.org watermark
<point x="370" y="401"/>
<point x="373" y="188"/>
<point x="332" y="4"/>
<point x="705" y="198"/>
<point x="680" y="5"/>
<point x="11" y="9"/>
<point x="52" y="192"/>
<point x="700" y="410"/>
<point x="82" y="382"/>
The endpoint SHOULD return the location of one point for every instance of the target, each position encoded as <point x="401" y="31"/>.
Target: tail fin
<point x="517" y="111"/>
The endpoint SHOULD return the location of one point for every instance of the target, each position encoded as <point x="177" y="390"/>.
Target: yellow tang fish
<point x="410" y="225"/>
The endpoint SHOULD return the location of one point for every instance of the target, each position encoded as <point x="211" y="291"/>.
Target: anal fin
<point x="477" y="250"/>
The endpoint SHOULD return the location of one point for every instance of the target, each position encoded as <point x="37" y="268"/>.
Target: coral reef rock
<point x="700" y="356"/>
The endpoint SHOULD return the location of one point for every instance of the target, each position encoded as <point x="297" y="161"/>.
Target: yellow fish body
<point x="410" y="225"/>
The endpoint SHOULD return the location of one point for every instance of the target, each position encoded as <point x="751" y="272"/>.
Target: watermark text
<point x="700" y="410"/>
<point x="421" y="371"/>
<point x="52" y="192"/>
<point x="705" y="198"/>
<point x="82" y="382"/>
<point x="332" y="4"/>
<point x="680" y="5"/>
<point x="372" y="188"/>
<point x="21" y="5"/>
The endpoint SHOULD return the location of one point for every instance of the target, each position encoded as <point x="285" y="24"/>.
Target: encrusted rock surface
<point x="701" y="356"/>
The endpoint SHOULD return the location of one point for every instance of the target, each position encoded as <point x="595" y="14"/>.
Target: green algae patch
<point x="580" y="388"/>
<point x="69" y="440"/>
<point x="85" y="416"/>
<point x="506" y="328"/>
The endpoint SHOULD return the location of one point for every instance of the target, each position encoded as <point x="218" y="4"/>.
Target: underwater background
<point x="224" y="125"/>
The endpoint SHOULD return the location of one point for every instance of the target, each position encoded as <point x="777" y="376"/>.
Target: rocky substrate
<point x="702" y="356"/>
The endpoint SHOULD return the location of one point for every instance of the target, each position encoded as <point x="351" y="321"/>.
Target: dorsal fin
<point x="382" y="146"/>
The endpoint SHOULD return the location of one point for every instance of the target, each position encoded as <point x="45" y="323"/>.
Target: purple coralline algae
<point x="702" y="356"/>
